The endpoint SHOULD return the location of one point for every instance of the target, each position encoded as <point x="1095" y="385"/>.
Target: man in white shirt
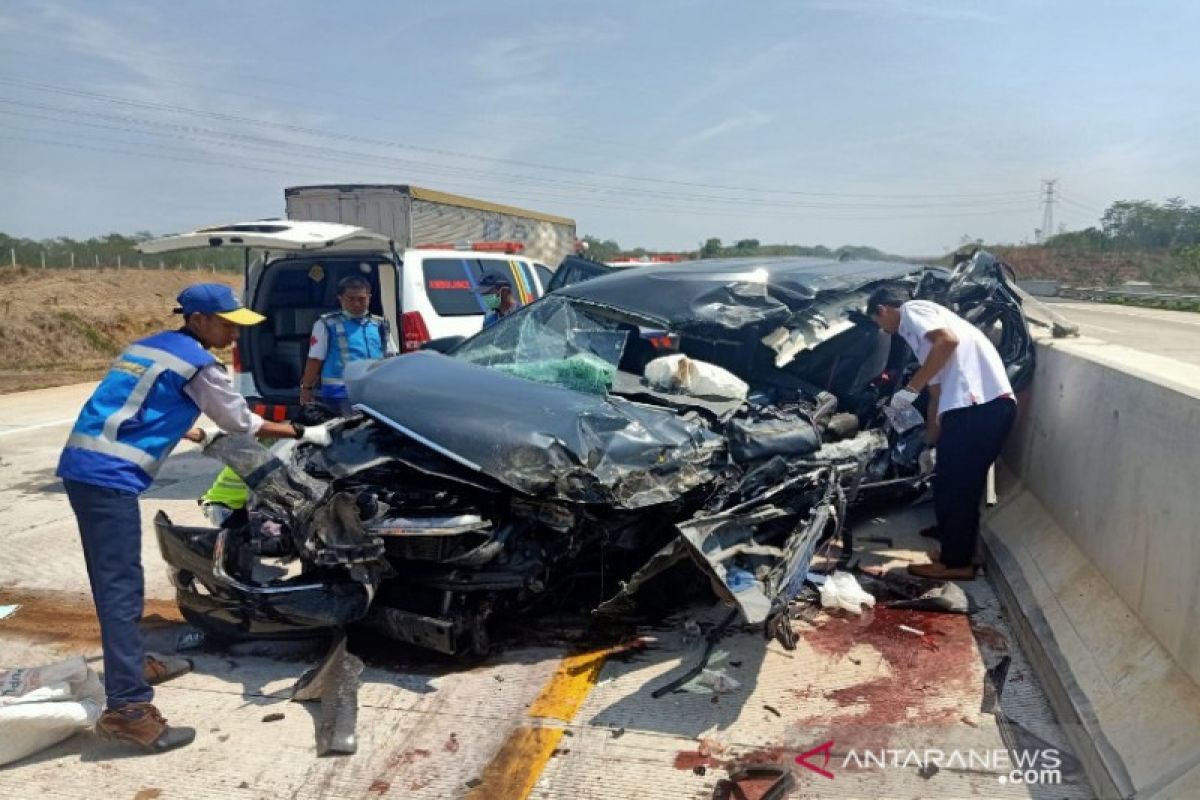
<point x="971" y="410"/>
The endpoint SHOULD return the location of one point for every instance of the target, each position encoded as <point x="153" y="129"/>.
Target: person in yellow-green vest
<point x="227" y="495"/>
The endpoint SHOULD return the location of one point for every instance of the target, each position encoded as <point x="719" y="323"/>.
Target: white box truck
<point x="414" y="217"/>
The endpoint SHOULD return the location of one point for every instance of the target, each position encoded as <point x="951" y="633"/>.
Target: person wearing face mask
<point x="355" y="333"/>
<point x="497" y="295"/>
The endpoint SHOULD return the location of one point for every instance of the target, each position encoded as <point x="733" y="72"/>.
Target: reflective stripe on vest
<point x="125" y="452"/>
<point x="339" y="331"/>
<point x="166" y="359"/>
<point x="335" y="323"/>
<point x="137" y="415"/>
<point x="161" y="361"/>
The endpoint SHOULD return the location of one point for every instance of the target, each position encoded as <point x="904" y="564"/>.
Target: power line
<point x="1075" y="213"/>
<point x="147" y="105"/>
<point x="137" y="153"/>
<point x="274" y="146"/>
<point x="575" y="132"/>
<point x="1081" y="206"/>
<point x="710" y="211"/>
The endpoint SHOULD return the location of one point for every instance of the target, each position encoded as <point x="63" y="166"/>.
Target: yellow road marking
<point x="515" y="769"/>
<point x="566" y="690"/>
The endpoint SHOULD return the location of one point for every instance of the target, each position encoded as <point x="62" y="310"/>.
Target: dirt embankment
<point x="68" y="620"/>
<point x="64" y="326"/>
<point x="1093" y="269"/>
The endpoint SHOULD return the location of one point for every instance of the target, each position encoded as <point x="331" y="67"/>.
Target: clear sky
<point x="903" y="124"/>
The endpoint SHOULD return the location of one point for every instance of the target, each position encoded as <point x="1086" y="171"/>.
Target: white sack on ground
<point x="41" y="706"/>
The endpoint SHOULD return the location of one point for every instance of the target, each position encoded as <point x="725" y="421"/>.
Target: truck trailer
<point x="414" y="217"/>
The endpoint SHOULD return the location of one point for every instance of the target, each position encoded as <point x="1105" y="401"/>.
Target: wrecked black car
<point x="714" y="416"/>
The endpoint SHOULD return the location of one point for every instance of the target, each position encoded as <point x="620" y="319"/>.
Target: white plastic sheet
<point x="718" y="680"/>
<point x="841" y="590"/>
<point x="902" y="419"/>
<point x="41" y="706"/>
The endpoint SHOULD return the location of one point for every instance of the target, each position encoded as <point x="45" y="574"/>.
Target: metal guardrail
<point x="1153" y="294"/>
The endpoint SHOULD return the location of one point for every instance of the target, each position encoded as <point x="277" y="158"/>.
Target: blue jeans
<point x="970" y="441"/>
<point x="110" y="527"/>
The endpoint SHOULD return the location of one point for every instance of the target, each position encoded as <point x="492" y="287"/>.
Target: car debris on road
<point x="535" y="456"/>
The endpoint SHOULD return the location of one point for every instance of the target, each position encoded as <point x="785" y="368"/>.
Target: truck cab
<point x="291" y="273"/>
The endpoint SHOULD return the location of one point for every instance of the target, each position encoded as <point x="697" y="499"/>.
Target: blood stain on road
<point x="927" y="672"/>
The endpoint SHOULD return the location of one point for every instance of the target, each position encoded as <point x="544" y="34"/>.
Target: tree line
<point x="610" y="250"/>
<point x="117" y="249"/>
<point x="1136" y="239"/>
<point x="1138" y="225"/>
<point x="1141" y="239"/>
<point x="113" y="250"/>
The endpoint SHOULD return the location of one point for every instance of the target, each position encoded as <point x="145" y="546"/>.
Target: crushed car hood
<point x="536" y="438"/>
<point x="732" y="293"/>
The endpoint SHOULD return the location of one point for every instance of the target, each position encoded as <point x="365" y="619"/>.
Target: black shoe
<point x="931" y="532"/>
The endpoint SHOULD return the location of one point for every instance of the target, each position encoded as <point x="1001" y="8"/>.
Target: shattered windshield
<point x="554" y="341"/>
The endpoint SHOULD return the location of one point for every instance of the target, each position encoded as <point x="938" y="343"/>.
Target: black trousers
<point x="970" y="441"/>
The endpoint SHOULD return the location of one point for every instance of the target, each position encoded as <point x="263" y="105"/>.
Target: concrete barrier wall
<point x="1109" y="443"/>
<point x="1039" y="287"/>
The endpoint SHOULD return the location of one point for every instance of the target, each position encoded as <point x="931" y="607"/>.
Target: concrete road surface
<point x="540" y="719"/>
<point x="35" y="516"/>
<point x="1174" y="334"/>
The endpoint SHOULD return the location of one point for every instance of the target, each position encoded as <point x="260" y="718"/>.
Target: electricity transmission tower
<point x="1049" y="186"/>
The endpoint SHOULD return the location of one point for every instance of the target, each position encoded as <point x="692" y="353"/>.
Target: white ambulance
<point x="292" y="269"/>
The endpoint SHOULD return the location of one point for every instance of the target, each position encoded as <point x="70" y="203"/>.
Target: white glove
<point x="903" y="398"/>
<point x="927" y="461"/>
<point x="317" y="434"/>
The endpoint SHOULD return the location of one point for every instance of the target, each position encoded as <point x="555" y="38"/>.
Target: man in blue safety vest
<point x="150" y="398"/>
<point x="339" y="337"/>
